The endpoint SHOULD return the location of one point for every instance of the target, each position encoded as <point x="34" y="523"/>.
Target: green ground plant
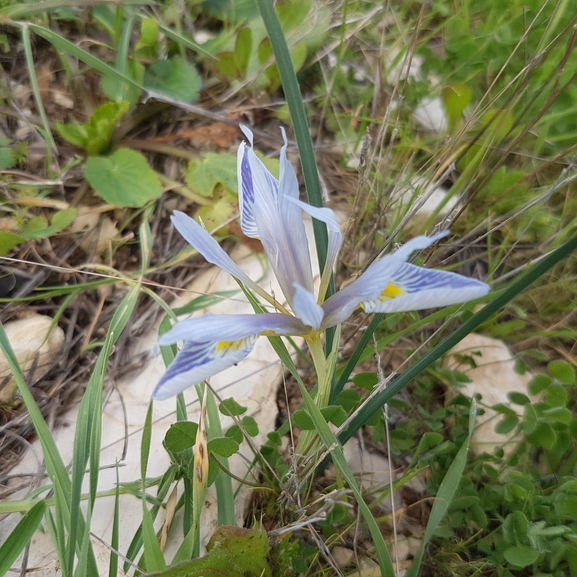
<point x="505" y="156"/>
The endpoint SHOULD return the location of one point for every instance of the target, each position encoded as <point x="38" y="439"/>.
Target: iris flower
<point x="270" y="210"/>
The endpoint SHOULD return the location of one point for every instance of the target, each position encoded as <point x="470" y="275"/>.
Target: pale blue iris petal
<point x="372" y="282"/>
<point x="255" y="184"/>
<point x="196" y="362"/>
<point x="297" y="260"/>
<point x="208" y="247"/>
<point x="245" y="193"/>
<point x="426" y="288"/>
<point x="232" y="327"/>
<point x="327" y="216"/>
<point x="288" y="182"/>
<point x="340" y="306"/>
<point x="306" y="308"/>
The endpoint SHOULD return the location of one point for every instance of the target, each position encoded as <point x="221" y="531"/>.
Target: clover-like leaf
<point x="174" y="78"/>
<point x="181" y="436"/>
<point x="123" y="178"/>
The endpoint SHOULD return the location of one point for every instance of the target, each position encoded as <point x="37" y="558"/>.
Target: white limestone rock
<point x="493" y="378"/>
<point x="35" y="345"/>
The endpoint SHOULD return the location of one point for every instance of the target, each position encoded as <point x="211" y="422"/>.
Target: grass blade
<point x="223" y="482"/>
<point x="82" y="55"/>
<point x="36" y="89"/>
<point x="20" y="537"/>
<point x="153" y="556"/>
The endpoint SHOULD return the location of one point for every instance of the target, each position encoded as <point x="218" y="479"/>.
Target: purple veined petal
<point x="413" y="288"/>
<point x="254" y="180"/>
<point x="211" y="327"/>
<point x="208" y="247"/>
<point x="280" y="225"/>
<point x="306" y="308"/>
<point x="196" y="362"/>
<point x="372" y="282"/>
<point x="327" y="216"/>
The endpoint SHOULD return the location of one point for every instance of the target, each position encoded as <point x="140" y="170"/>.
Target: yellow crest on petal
<point x="391" y="291"/>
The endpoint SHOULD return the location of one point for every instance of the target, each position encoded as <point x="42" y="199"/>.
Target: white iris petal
<point x="306" y="308"/>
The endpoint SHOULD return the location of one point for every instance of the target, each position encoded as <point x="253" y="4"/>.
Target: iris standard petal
<point x="279" y="224"/>
<point x="196" y="362"/>
<point x="306" y="308"/>
<point x="253" y="178"/>
<point x="413" y="288"/>
<point x="232" y="327"/>
<point x="327" y="216"/>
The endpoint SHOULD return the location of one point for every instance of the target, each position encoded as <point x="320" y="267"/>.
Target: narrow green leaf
<point x="153" y="556"/>
<point x="223" y="483"/>
<point x="444" y="495"/>
<point x="82" y="55"/>
<point x="20" y="536"/>
<point x="35" y="88"/>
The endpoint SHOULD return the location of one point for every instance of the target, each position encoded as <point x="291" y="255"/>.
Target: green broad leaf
<point x="227" y="65"/>
<point x="366" y="380"/>
<point x="539" y="383"/>
<point x="429" y="440"/>
<point x="235" y="433"/>
<point x="506" y="425"/>
<point x="181" y="436"/>
<point x="455" y="99"/>
<point x="334" y="414"/>
<point x="8" y="240"/>
<point x="223" y="446"/>
<point x="174" y="78"/>
<point x="147" y="46"/>
<point x="518" y="398"/>
<point x="232" y="551"/>
<point x="35" y="228"/>
<point x="274" y="438"/>
<point x="250" y="426"/>
<point x="123" y="178"/>
<point x="521" y="555"/>
<point x="302" y="420"/>
<point x="562" y="371"/>
<point x="542" y="436"/>
<point x="74" y="133"/>
<point x="230" y="408"/>
<point x="557" y="395"/>
<point x="38" y="228"/>
<point x="7" y="158"/>
<point x="348" y="399"/>
<point x="205" y="175"/>
<point x="218" y="214"/>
